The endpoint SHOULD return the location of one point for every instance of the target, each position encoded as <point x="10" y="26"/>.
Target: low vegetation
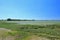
<point x="23" y="32"/>
<point x="9" y="19"/>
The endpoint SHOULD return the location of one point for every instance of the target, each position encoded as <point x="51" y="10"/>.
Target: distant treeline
<point x="18" y="20"/>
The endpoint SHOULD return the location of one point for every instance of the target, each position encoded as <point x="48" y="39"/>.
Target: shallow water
<point x="41" y="22"/>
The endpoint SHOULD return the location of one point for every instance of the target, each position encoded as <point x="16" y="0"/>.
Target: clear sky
<point x="30" y="9"/>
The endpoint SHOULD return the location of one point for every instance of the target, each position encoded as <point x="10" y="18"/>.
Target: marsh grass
<point x="24" y="31"/>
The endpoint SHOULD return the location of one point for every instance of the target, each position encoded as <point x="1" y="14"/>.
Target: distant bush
<point x="8" y="19"/>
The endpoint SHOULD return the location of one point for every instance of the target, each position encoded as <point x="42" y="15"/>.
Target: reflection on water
<point x="35" y="22"/>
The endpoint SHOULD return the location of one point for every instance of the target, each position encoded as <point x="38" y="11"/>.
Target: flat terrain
<point x="4" y="34"/>
<point x="10" y="30"/>
<point x="39" y="22"/>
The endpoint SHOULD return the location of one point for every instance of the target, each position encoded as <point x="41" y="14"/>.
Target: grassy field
<point x="27" y="31"/>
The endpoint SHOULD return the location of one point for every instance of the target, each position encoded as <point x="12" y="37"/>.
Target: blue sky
<point x="30" y="9"/>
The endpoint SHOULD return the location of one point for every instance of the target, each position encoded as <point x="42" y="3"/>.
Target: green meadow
<point x="16" y="31"/>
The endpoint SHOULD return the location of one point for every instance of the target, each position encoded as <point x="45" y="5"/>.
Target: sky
<point x="30" y="9"/>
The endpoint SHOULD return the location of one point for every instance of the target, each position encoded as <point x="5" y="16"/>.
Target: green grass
<point x="23" y="31"/>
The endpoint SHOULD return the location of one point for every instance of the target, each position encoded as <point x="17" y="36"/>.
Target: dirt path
<point x="4" y="29"/>
<point x="3" y="32"/>
<point x="38" y="38"/>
